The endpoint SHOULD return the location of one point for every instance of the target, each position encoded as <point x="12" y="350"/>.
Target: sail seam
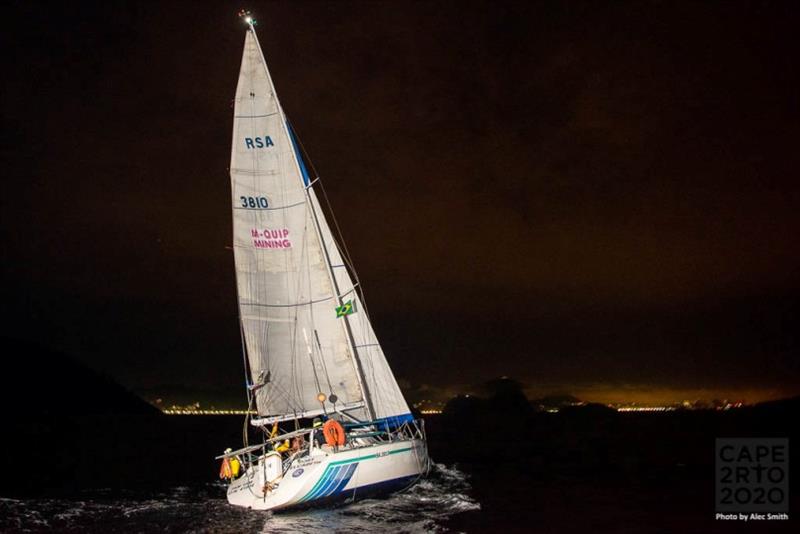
<point x="254" y="116"/>
<point x="266" y="172"/>
<point x="270" y="209"/>
<point x="285" y="305"/>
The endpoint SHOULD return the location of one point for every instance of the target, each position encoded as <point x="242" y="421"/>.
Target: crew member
<point x="297" y="444"/>
<point x="319" y="435"/>
<point x="236" y="466"/>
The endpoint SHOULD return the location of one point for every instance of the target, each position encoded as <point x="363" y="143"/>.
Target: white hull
<point x="327" y="476"/>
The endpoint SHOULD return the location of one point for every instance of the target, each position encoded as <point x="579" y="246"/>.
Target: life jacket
<point x="236" y="466"/>
<point x="225" y="470"/>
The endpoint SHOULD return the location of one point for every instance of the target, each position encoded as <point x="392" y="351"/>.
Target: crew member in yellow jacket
<point x="278" y="446"/>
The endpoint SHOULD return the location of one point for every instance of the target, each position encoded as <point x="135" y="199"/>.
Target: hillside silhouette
<point x="47" y="382"/>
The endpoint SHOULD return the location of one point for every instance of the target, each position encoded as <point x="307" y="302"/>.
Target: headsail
<point x="288" y="272"/>
<point x="386" y="398"/>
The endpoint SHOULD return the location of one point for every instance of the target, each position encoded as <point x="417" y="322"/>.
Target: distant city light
<point x="189" y="411"/>
<point x="434" y="407"/>
<point x="194" y="409"/>
<point x="646" y="409"/>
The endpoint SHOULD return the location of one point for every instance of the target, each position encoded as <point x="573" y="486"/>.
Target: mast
<point x="362" y="382"/>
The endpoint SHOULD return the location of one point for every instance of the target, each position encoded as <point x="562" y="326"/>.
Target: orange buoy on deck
<point x="334" y="433"/>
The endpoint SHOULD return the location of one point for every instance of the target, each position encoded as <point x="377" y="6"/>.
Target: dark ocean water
<point x="423" y="508"/>
<point x="576" y="471"/>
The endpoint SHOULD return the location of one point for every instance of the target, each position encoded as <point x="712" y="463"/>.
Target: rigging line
<point x="309" y="343"/>
<point x="351" y="290"/>
<point x="292" y="286"/>
<point x="363" y="386"/>
<point x="250" y="395"/>
<point x="318" y="178"/>
<point x="286" y="133"/>
<point x="348" y="260"/>
<point x="244" y="353"/>
<point x="297" y="368"/>
<point x="266" y="365"/>
<point x="303" y="149"/>
<point x="311" y="198"/>
<point x="343" y="250"/>
<point x="311" y="310"/>
<point x="245" y="433"/>
<point x="324" y="365"/>
<point x="303" y="267"/>
<point x="311" y="359"/>
<point x="241" y="325"/>
<point x="346" y="253"/>
<point x="282" y="391"/>
<point x="286" y="393"/>
<point x="294" y="393"/>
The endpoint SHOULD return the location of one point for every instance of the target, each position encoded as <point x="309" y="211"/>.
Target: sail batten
<point x="288" y="272"/>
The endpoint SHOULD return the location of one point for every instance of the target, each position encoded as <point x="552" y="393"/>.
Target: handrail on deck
<point x="405" y="429"/>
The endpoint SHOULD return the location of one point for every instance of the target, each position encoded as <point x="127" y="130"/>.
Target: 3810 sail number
<point x="254" y="202"/>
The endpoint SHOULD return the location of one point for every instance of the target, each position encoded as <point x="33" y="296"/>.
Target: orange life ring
<point x="333" y="432"/>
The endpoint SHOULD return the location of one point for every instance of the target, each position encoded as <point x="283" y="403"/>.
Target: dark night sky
<point x="591" y="197"/>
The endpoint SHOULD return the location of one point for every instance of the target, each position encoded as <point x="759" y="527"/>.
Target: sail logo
<point x="270" y="238"/>
<point x="258" y="142"/>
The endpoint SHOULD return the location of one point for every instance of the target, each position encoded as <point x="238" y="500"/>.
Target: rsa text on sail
<point x="258" y="142"/>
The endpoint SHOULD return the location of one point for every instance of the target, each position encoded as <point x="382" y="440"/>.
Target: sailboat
<point x="334" y="426"/>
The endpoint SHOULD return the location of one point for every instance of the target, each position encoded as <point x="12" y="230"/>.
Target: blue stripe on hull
<point x="327" y="484"/>
<point x="333" y="480"/>
<point x="372" y="490"/>
<point x="345" y="479"/>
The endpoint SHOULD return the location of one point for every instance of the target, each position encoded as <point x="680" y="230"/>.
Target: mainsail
<point x="291" y="277"/>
